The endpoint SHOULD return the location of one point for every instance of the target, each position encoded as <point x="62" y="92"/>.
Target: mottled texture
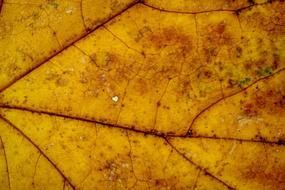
<point x="142" y="94"/>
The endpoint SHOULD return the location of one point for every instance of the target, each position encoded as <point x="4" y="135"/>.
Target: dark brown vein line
<point x="35" y="170"/>
<point x="158" y="104"/>
<point x="63" y="187"/>
<point x="6" y="160"/>
<point x="67" y="46"/>
<point x="91" y="59"/>
<point x="84" y="120"/>
<point x="81" y="14"/>
<point x="228" y="96"/>
<point x="1" y="5"/>
<point x="118" y="38"/>
<point x="196" y="180"/>
<point x="55" y="36"/>
<point x="208" y="11"/>
<point x="198" y="166"/>
<point x="262" y="140"/>
<point x="41" y="152"/>
<point x="152" y="133"/>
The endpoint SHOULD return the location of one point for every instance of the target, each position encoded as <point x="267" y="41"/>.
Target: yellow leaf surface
<point x="142" y="94"/>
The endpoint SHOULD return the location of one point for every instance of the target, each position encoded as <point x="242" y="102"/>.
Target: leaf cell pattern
<point x="147" y="94"/>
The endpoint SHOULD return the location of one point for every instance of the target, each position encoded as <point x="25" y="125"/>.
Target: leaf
<point x="142" y="94"/>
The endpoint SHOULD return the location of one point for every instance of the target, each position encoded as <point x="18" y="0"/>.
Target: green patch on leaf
<point x="265" y="71"/>
<point x="244" y="81"/>
<point x="53" y="3"/>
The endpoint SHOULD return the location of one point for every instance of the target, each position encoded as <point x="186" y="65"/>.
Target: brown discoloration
<point x="93" y="58"/>
<point x="249" y="110"/>
<point x="270" y="100"/>
<point x="270" y="20"/>
<point x="61" y="82"/>
<point x="254" y="67"/>
<point x="184" y="88"/>
<point x="166" y="183"/>
<point x="144" y="31"/>
<point x="220" y="28"/>
<point x="142" y="86"/>
<point x="108" y="74"/>
<point x="111" y="59"/>
<point x="210" y="52"/>
<point x="170" y="37"/>
<point x="205" y="74"/>
<point x="1" y="5"/>
<point x="214" y="38"/>
<point x="238" y="52"/>
<point x="218" y="34"/>
<point x="271" y="176"/>
<point x="119" y="68"/>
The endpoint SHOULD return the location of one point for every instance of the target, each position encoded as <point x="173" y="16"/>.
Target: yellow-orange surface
<point x="154" y="94"/>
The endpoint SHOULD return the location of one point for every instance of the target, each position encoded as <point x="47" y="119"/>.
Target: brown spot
<point x="255" y="66"/>
<point x="144" y="31"/>
<point x="220" y="28"/>
<point x="270" y="100"/>
<point x="231" y="83"/>
<point x="168" y="183"/>
<point x="249" y="110"/>
<point x="267" y="175"/>
<point x="206" y="74"/>
<point x="170" y="37"/>
<point x="142" y="86"/>
<point x="158" y="104"/>
<point x="217" y="35"/>
<point x="183" y="88"/>
<point x="61" y="82"/>
<point x="276" y="61"/>
<point x="93" y="57"/>
<point x="248" y="65"/>
<point x="210" y="53"/>
<point x="238" y="52"/>
<point x="110" y="59"/>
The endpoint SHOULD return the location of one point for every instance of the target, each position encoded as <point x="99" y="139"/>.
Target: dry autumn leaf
<point x="154" y="94"/>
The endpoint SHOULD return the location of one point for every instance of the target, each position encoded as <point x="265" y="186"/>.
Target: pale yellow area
<point x="27" y="168"/>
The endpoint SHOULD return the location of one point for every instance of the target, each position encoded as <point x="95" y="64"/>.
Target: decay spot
<point x="218" y="34"/>
<point x="220" y="28"/>
<point x="264" y="174"/>
<point x="215" y="36"/>
<point x="269" y="100"/>
<point x="170" y="37"/>
<point x="61" y="82"/>
<point x="238" y="52"/>
<point x="205" y="74"/>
